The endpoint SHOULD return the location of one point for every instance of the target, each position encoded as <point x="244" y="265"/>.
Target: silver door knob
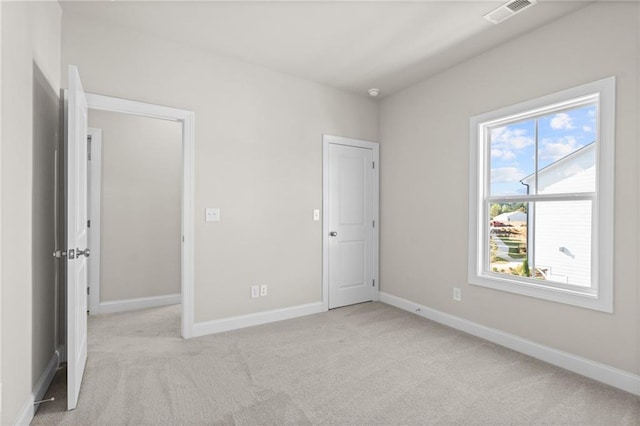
<point x="333" y="234"/>
<point x="86" y="252"/>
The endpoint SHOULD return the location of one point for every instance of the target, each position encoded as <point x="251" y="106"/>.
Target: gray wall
<point x="425" y="179"/>
<point x="30" y="135"/>
<point x="258" y="157"/>
<point x="141" y="205"/>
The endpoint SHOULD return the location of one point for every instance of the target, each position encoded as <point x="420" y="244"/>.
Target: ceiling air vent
<point x="507" y="10"/>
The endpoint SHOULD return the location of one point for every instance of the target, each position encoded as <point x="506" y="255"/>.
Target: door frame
<point x="187" y="118"/>
<point x="95" y="185"/>
<point x="357" y="143"/>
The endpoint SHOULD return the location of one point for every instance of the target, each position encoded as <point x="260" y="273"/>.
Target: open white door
<point x="77" y="251"/>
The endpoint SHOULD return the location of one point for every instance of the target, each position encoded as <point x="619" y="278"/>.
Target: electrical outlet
<point x="457" y="294"/>
<point x="255" y="291"/>
<point x="263" y="290"/>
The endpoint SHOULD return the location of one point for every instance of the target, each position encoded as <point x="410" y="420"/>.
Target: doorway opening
<point x="133" y="110"/>
<point x="134" y="173"/>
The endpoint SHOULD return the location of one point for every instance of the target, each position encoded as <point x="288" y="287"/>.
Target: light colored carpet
<point x="362" y="364"/>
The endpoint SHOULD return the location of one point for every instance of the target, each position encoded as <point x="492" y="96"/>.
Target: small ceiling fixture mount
<point x="374" y="92"/>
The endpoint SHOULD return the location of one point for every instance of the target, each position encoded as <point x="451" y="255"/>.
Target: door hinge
<point x="374" y="224"/>
<point x="89" y="223"/>
<point x="373" y="164"/>
<point x="88" y="290"/>
<point x="374" y="282"/>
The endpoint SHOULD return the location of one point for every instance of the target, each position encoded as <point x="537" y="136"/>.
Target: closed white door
<point x="351" y="226"/>
<point x="77" y="245"/>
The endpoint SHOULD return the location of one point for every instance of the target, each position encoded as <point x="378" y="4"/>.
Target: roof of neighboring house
<point x="562" y="161"/>
<point x="516" y="216"/>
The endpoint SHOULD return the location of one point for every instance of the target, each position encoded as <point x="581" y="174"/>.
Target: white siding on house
<point x="563" y="241"/>
<point x="575" y="173"/>
<point x="562" y="229"/>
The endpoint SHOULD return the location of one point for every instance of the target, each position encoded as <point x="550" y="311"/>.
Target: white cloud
<point x="506" y="139"/>
<point x="506" y="174"/>
<point x="503" y="154"/>
<point x="562" y="121"/>
<point x="586" y="128"/>
<point x="555" y="149"/>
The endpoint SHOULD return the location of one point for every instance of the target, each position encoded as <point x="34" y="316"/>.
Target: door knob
<point x="86" y="252"/>
<point x="333" y="234"/>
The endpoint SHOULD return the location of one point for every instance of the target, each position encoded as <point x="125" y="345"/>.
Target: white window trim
<point x="600" y="295"/>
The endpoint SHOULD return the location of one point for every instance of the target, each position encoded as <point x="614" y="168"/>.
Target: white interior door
<point x="351" y="226"/>
<point x="77" y="251"/>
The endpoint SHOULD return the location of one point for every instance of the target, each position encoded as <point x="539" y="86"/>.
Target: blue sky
<point x="513" y="146"/>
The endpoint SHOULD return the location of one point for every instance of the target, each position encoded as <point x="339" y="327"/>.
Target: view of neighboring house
<point x="516" y="218"/>
<point x="562" y="249"/>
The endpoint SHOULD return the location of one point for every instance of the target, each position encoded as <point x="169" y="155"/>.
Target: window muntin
<point x="538" y="219"/>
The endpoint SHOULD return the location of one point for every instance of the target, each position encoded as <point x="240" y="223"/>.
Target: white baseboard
<point x="29" y="409"/>
<point x="594" y="370"/>
<point x="258" y="318"/>
<point x="138" y="303"/>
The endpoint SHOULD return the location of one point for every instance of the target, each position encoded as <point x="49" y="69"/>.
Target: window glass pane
<point x="508" y="238"/>
<point x="562" y="241"/>
<point x="512" y="151"/>
<point x="566" y="151"/>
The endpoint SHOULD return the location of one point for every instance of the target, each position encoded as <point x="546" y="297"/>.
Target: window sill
<point x="588" y="298"/>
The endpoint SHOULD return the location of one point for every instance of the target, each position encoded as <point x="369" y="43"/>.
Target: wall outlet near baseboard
<point x="457" y="294"/>
<point x="263" y="290"/>
<point x="255" y="291"/>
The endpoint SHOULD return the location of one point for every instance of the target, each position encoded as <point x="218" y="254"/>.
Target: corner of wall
<point x="30" y="51"/>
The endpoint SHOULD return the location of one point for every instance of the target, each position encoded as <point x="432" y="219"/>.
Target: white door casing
<point x="77" y="245"/>
<point x="350" y="210"/>
<point x="95" y="183"/>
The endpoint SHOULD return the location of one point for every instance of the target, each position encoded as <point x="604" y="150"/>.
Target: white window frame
<point x="600" y="295"/>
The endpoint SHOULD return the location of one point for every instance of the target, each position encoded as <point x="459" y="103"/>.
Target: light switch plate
<point x="212" y="214"/>
<point x="316" y="214"/>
